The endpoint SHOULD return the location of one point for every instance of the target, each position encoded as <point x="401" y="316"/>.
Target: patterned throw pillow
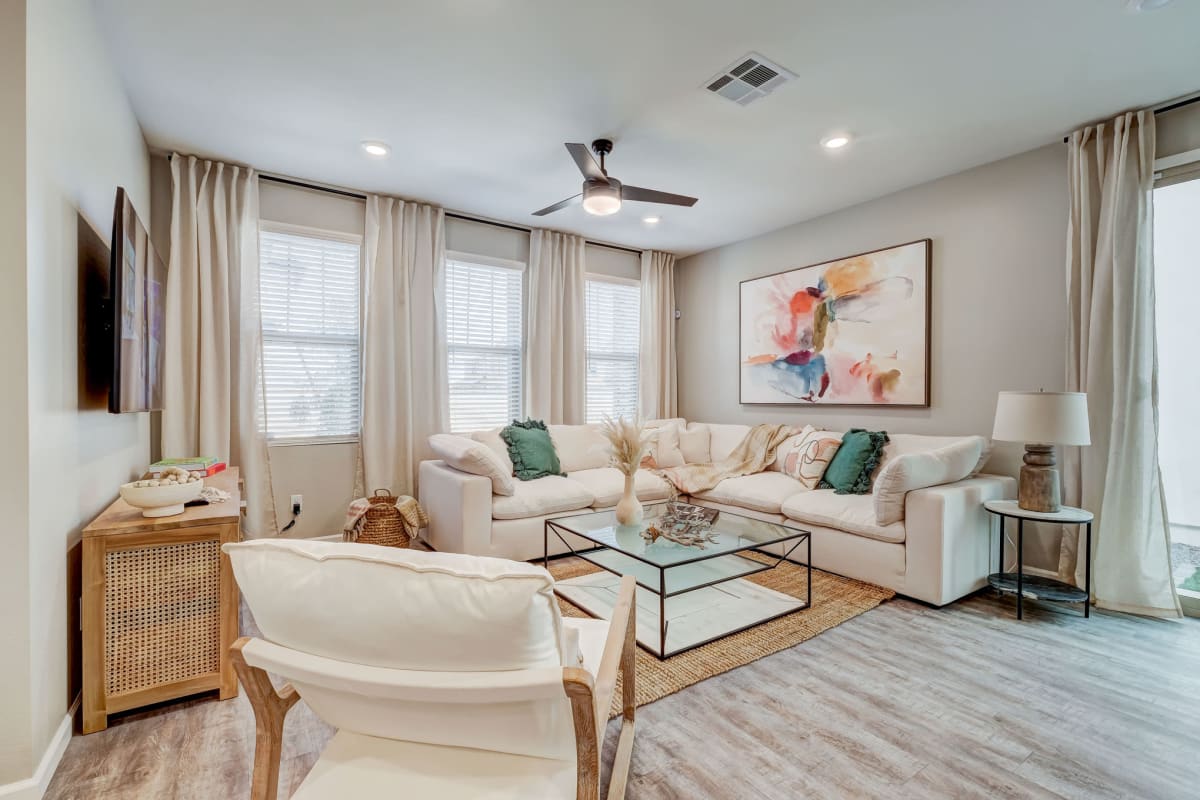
<point x="808" y="455"/>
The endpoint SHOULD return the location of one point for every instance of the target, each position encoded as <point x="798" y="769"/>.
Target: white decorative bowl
<point x="161" y="501"/>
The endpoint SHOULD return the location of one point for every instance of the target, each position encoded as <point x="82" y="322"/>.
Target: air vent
<point x="748" y="79"/>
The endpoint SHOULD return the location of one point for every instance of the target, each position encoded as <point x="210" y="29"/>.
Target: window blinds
<point x="612" y="311"/>
<point x="309" y="288"/>
<point x="483" y="344"/>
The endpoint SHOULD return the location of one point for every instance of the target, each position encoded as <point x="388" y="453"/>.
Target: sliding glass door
<point x="1177" y="289"/>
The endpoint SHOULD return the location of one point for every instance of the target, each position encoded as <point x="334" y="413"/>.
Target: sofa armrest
<point x="947" y="537"/>
<point x="459" y="506"/>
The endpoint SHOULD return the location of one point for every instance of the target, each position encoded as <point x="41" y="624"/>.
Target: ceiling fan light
<point x="601" y="199"/>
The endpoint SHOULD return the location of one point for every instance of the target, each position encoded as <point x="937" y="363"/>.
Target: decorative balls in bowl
<point x="165" y="495"/>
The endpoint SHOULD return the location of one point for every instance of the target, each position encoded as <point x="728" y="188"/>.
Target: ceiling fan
<point x="603" y="195"/>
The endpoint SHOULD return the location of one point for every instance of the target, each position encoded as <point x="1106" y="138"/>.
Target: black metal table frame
<point x="800" y="536"/>
<point x="1087" y="566"/>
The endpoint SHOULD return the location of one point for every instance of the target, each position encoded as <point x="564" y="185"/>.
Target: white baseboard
<point x="33" y="788"/>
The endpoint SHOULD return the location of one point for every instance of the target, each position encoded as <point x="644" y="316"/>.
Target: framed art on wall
<point x="854" y="331"/>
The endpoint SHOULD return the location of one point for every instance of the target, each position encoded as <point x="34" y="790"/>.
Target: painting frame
<point x="926" y="298"/>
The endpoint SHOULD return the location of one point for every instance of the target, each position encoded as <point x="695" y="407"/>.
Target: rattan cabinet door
<point x="159" y="615"/>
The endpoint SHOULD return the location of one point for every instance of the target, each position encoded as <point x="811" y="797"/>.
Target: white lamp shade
<point x="600" y="198"/>
<point x="1042" y="418"/>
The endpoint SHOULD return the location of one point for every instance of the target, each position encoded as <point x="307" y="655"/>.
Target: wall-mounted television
<point x="137" y="286"/>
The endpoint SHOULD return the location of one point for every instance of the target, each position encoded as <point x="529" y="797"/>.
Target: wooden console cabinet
<point x="160" y="606"/>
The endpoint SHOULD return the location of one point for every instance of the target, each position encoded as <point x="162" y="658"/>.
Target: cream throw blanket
<point x="755" y="453"/>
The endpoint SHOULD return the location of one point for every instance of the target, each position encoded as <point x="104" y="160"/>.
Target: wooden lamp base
<point x="1038" y="489"/>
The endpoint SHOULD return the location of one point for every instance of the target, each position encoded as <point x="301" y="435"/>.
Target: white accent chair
<point x="446" y="675"/>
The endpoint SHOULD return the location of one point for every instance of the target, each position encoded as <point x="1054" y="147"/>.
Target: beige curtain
<point x="555" y="346"/>
<point x="404" y="343"/>
<point x="658" y="396"/>
<point x="1111" y="356"/>
<point x="213" y="390"/>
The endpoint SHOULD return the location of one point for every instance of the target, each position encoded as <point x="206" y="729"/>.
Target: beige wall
<point x="16" y="747"/>
<point x="999" y="320"/>
<point x="83" y="142"/>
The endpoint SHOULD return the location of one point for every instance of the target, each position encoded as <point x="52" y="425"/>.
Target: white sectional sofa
<point x="923" y="532"/>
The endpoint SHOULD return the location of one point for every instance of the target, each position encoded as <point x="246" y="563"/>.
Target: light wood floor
<point x="905" y="701"/>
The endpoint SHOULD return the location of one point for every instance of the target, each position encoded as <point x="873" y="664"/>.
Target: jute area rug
<point x="835" y="600"/>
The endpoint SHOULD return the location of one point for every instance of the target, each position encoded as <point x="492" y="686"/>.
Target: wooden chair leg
<point x="624" y="755"/>
<point x="270" y="709"/>
<point x="585" y="692"/>
<point x="578" y="685"/>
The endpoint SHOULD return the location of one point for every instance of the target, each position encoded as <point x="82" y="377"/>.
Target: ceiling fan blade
<point x="583" y="159"/>
<point x="652" y="196"/>
<point x="570" y="201"/>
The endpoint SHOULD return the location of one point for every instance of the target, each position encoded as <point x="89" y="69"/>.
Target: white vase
<point x="629" y="509"/>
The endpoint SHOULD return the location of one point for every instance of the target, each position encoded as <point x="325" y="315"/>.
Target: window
<point x="1177" y="283"/>
<point x="613" y="331"/>
<point x="310" y="311"/>
<point x="483" y="342"/>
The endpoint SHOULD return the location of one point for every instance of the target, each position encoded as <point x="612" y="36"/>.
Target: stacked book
<point x="204" y="466"/>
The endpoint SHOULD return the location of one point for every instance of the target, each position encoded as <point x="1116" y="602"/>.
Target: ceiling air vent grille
<point x="748" y="79"/>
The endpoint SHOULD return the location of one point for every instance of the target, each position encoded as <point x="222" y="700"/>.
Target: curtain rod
<point x="454" y="214"/>
<point x="1169" y="105"/>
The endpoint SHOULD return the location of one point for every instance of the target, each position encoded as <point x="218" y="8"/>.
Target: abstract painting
<point x="849" y="332"/>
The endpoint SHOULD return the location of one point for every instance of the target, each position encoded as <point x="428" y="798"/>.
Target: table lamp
<point x="1041" y="420"/>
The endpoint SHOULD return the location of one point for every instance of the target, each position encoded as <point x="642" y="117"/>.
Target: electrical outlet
<point x="297" y="503"/>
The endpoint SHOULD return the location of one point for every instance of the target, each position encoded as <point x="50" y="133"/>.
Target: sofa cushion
<point x="901" y="443"/>
<point x="695" y="443"/>
<point x="723" y="439"/>
<point x="491" y="439"/>
<point x="762" y="491"/>
<point x="476" y="458"/>
<point x="664" y="444"/>
<point x="855" y="462"/>
<point x="786" y="446"/>
<point x="547" y="495"/>
<point x="916" y="470"/>
<point x="400" y="608"/>
<point x="853" y="513"/>
<point x="531" y="450"/>
<point x="580" y="447"/>
<point x="806" y="456"/>
<point x="607" y="483"/>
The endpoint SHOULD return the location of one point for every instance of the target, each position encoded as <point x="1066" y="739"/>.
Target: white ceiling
<point x="476" y="97"/>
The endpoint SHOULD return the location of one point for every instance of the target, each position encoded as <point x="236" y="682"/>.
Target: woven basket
<point x="382" y="523"/>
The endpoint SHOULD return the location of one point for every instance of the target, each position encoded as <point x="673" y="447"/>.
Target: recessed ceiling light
<point x="651" y="220"/>
<point x="376" y="149"/>
<point x="835" y="142"/>
<point x="1147" y="5"/>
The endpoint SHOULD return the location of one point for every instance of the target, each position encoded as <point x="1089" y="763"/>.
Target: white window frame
<point x="601" y="277"/>
<point x="273" y="226"/>
<point x="520" y="267"/>
<point x="1189" y="601"/>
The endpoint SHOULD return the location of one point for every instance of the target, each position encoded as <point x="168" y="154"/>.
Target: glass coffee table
<point x="688" y="595"/>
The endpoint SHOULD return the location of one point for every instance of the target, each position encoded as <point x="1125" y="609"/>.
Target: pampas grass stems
<point x="630" y="442"/>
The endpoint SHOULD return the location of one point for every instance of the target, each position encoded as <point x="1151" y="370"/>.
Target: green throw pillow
<point x="855" y="462"/>
<point x="531" y="450"/>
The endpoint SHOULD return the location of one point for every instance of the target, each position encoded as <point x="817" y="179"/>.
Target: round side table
<point x="1035" y="586"/>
